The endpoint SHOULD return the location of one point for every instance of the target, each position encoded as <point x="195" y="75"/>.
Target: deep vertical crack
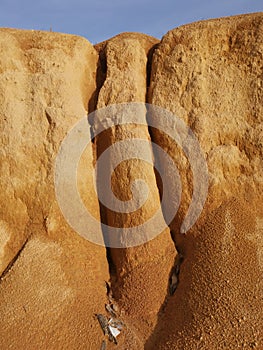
<point x="175" y="271"/>
<point x="149" y="67"/>
<point x="174" y="276"/>
<point x="101" y="74"/>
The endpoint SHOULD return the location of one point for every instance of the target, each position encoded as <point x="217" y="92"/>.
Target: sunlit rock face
<point x="208" y="75"/>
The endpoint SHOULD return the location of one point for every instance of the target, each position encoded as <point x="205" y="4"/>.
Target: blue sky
<point x="98" y="20"/>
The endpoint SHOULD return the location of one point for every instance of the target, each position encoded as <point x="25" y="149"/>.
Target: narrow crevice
<point x="150" y="129"/>
<point x="13" y="261"/>
<point x="174" y="276"/>
<point x="159" y="184"/>
<point x="173" y="281"/>
<point x="175" y="270"/>
<point x="111" y="265"/>
<point x="149" y="67"/>
<point x="101" y="74"/>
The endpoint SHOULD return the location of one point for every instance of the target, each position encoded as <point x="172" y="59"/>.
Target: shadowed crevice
<point x="149" y="67"/>
<point x="174" y="276"/>
<point x="101" y="75"/>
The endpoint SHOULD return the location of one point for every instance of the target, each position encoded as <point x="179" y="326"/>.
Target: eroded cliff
<point x="209" y="75"/>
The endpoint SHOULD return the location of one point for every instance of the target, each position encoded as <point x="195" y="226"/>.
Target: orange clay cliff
<point x="201" y="289"/>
